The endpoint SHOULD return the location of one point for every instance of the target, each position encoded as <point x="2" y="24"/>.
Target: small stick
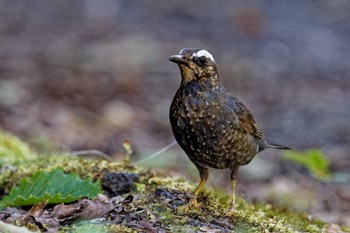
<point x="157" y="153"/>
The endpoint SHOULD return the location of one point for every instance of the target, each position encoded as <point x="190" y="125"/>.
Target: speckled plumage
<point x="206" y="127"/>
<point x="211" y="125"/>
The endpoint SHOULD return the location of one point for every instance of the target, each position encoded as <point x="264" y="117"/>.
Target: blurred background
<point x="77" y="75"/>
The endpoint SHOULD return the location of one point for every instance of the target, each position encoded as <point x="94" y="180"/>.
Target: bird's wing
<point x="245" y="118"/>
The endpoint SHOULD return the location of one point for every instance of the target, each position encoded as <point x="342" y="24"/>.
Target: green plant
<point x="54" y="186"/>
<point x="314" y="160"/>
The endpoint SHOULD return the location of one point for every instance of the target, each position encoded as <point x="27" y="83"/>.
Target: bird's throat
<point x="187" y="74"/>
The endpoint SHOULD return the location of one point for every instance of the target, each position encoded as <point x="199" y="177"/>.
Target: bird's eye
<point x="202" y="59"/>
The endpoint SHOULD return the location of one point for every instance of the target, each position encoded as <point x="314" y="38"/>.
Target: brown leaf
<point x="95" y="208"/>
<point x="146" y="226"/>
<point x="62" y="211"/>
<point x="86" y="208"/>
<point x="44" y="223"/>
<point x="37" y="209"/>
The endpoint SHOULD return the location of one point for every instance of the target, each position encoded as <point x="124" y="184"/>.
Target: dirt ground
<point x="85" y="75"/>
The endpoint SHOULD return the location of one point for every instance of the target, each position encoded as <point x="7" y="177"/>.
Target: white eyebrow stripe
<point x="204" y="53"/>
<point x="182" y="50"/>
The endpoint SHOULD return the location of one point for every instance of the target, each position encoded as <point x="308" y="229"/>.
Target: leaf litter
<point x="145" y="201"/>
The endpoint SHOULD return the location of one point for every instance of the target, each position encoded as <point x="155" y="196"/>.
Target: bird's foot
<point x="232" y="212"/>
<point x="191" y="205"/>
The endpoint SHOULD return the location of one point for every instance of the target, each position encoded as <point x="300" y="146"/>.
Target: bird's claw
<point x="232" y="212"/>
<point x="192" y="204"/>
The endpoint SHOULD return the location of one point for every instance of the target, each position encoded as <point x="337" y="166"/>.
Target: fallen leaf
<point x="95" y="209"/>
<point x="62" y="211"/>
<point x="146" y="226"/>
<point x="37" y="209"/>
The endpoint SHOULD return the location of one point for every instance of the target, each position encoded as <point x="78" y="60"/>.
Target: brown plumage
<point x="211" y="125"/>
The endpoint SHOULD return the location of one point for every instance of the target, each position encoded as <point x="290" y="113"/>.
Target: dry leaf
<point x="37" y="209"/>
<point x="62" y="211"/>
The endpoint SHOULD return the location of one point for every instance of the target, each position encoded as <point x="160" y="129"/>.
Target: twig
<point x="157" y="153"/>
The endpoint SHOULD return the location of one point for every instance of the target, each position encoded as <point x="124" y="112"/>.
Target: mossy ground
<point x="160" y="196"/>
<point x="156" y="200"/>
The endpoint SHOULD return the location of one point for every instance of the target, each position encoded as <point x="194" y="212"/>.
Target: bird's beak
<point x="179" y="59"/>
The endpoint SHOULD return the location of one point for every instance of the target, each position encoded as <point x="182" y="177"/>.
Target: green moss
<point x="86" y="168"/>
<point x="93" y="227"/>
<point x="211" y="214"/>
<point x="13" y="150"/>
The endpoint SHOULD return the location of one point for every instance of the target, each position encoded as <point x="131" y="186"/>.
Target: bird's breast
<point x="204" y="128"/>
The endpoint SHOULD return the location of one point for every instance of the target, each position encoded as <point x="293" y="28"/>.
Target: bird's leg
<point x="204" y="174"/>
<point x="234" y="178"/>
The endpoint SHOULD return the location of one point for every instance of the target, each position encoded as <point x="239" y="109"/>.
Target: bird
<point x="210" y="124"/>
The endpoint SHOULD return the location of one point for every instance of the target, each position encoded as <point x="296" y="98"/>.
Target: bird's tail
<point x="273" y="145"/>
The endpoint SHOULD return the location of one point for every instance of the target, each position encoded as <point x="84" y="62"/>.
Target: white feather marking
<point x="204" y="53"/>
<point x="182" y="50"/>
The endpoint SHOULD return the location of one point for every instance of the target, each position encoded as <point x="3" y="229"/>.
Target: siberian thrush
<point x="210" y="124"/>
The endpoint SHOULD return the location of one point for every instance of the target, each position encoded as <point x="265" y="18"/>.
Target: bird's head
<point x="196" y="65"/>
